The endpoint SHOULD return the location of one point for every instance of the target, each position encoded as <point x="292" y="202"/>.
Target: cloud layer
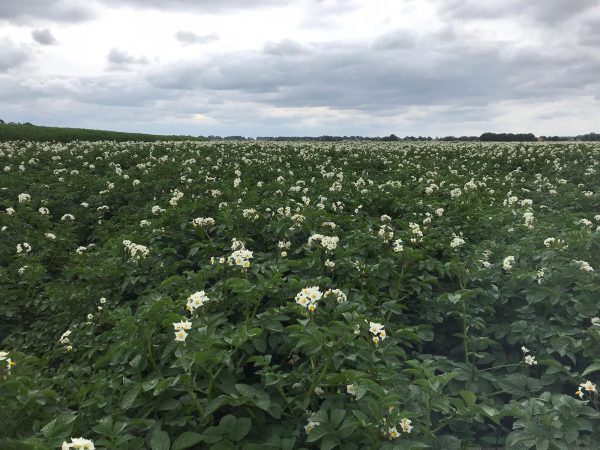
<point x="304" y="67"/>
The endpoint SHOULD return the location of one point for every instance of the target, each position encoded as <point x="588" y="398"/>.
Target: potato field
<point x="276" y="295"/>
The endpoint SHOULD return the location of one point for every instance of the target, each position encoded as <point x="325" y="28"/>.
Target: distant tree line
<point x="27" y="131"/>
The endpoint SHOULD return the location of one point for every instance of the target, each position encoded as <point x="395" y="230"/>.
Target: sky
<point x="303" y="67"/>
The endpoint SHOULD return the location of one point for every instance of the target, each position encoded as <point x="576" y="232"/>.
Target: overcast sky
<point x="303" y="67"/>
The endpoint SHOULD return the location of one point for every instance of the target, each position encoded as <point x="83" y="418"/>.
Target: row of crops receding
<point x="209" y="295"/>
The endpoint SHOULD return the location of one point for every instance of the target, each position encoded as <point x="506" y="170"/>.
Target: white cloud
<point x="304" y="67"/>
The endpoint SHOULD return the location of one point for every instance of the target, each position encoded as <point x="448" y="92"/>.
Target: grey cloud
<point x="286" y="47"/>
<point x="588" y="32"/>
<point x="119" y="59"/>
<point x="547" y="11"/>
<point x="12" y="55"/>
<point x="43" y="37"/>
<point x="395" y="40"/>
<point x="188" y="37"/>
<point x="382" y="78"/>
<point x="24" y="11"/>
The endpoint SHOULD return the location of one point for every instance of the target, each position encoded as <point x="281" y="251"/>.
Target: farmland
<point x="191" y="295"/>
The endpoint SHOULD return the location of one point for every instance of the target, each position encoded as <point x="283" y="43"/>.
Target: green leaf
<point x="160" y="440"/>
<point x="130" y="396"/>
<point x="241" y="429"/>
<point x="60" y="428"/>
<point x="186" y="440"/>
<point x="591" y="369"/>
<point x="468" y="397"/>
<point x="337" y="415"/>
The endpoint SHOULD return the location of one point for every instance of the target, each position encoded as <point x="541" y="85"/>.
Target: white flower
<point x="329" y="263"/>
<point x="398" y="246"/>
<point x="584" y="266"/>
<point x="50" y="236"/>
<point x="44" y="211"/>
<point x="10" y="211"/>
<point x="24" y="198"/>
<point x="64" y="338"/>
<point x="182" y="325"/>
<point x="181" y="335"/>
<point x="311" y="426"/>
<point x="406" y="426"/>
<point x="196" y="300"/>
<point x="530" y="360"/>
<point x="524" y="349"/>
<point x="456" y="192"/>
<point x="508" y="262"/>
<point x="66" y="217"/>
<point x="393" y="433"/>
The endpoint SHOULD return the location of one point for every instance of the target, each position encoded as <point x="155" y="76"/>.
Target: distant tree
<point x="589" y="137"/>
<point x="508" y="137"/>
<point x="2" y="121"/>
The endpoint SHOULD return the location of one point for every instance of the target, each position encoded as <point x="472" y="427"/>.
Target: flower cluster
<point x="196" y="300"/>
<point x="24" y="247"/>
<point x="339" y="295"/>
<point x="398" y="245"/>
<point x="64" y="339"/>
<point x="528" y="359"/>
<point x="137" y="251"/>
<point x="378" y="332"/>
<point x="240" y="258"/>
<point x="180" y="330"/>
<point x="588" y="386"/>
<point x="308" y="297"/>
<point x="508" y="262"/>
<point x="456" y="242"/>
<point x="78" y="444"/>
<point x="203" y="221"/>
<point x="405" y="427"/>
<point x="4" y="356"/>
<point x="329" y="243"/>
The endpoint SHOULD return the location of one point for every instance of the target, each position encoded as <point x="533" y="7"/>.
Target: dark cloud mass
<point x="381" y="77"/>
<point x="20" y="11"/>
<point x="43" y="37"/>
<point x="188" y="38"/>
<point x="118" y="58"/>
<point x="546" y="11"/>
